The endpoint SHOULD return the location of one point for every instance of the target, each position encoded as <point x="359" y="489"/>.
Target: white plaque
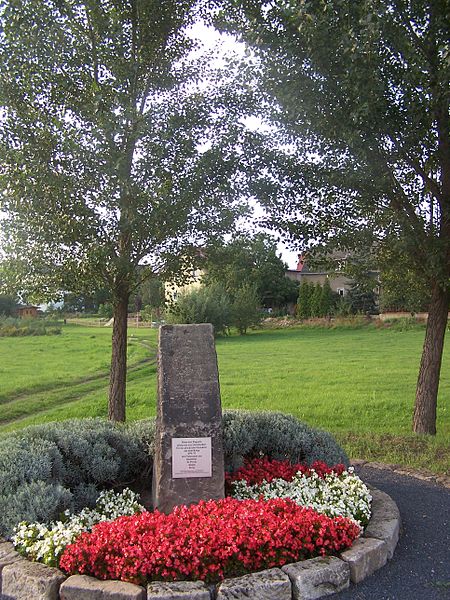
<point x="191" y="457"/>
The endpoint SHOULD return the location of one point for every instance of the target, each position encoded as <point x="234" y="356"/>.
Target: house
<point x="27" y="312"/>
<point x="339" y="282"/>
<point x="192" y="280"/>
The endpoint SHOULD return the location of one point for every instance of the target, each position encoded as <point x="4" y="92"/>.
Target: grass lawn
<point x="358" y="384"/>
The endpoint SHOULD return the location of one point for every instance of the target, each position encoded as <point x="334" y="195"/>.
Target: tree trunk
<point x="118" y="376"/>
<point x="430" y="366"/>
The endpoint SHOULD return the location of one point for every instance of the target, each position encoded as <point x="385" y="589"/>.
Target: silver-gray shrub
<point x="94" y="451"/>
<point x="35" y="501"/>
<point x="278" y="436"/>
<point x="24" y="459"/>
<point x="66" y="464"/>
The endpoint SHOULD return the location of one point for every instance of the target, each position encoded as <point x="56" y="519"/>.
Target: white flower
<point x="46" y="543"/>
<point x="333" y="495"/>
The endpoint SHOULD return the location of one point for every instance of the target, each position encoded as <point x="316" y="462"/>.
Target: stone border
<point x="422" y="474"/>
<point x="21" y="579"/>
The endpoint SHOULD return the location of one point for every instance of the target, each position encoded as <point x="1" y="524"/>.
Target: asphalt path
<point x="420" y="567"/>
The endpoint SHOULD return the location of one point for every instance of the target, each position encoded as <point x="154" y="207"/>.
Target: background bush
<point x="12" y="327"/>
<point x="49" y="468"/>
<point x="209" y="304"/>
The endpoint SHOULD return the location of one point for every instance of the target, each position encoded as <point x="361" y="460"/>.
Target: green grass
<point x="357" y="383"/>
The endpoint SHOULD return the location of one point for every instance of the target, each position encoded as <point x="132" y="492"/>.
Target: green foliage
<point x="361" y="300"/>
<point x="401" y="287"/>
<point x="304" y="300"/>
<point x="105" y="311"/>
<point x="209" y="304"/>
<point x="85" y="303"/>
<point x="366" y="159"/>
<point x="326" y="300"/>
<point x="8" y="305"/>
<point x="245" y="311"/>
<point x="403" y="324"/>
<point x="251" y="261"/>
<point x="316" y="300"/>
<point x="151" y="293"/>
<point x="148" y="313"/>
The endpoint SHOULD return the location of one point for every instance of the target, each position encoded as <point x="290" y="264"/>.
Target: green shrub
<point x="105" y="311"/>
<point x="48" y="468"/>
<point x="245" y="311"/>
<point x="402" y="324"/>
<point x="209" y="304"/>
<point x="72" y="461"/>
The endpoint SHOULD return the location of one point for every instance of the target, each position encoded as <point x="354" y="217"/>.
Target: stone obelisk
<point x="188" y="463"/>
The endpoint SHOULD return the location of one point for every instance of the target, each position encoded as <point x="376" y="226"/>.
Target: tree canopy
<point x="113" y="157"/>
<point x="361" y="156"/>
<point x="250" y="261"/>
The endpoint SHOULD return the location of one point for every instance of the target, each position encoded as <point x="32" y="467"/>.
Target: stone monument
<point x="188" y="464"/>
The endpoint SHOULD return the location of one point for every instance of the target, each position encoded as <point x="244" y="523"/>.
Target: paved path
<point x="420" y="568"/>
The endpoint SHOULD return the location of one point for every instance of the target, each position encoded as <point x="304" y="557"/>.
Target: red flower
<point x="207" y="541"/>
<point x="257" y="470"/>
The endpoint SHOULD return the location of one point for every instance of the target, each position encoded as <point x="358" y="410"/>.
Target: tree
<point x="361" y="92"/>
<point x="326" y="299"/>
<point x="316" y="300"/>
<point x="304" y="300"/>
<point x="250" y="260"/>
<point x="361" y="300"/>
<point x="8" y="305"/>
<point x="245" y="310"/>
<point x="401" y="288"/>
<point x="114" y="163"/>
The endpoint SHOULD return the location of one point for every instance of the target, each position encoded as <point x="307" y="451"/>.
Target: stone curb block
<point x="178" y="590"/>
<point x="25" y="580"/>
<point x="385" y="522"/>
<point x="8" y="556"/>
<point x="366" y="556"/>
<point x="317" y="577"/>
<point x="82" y="587"/>
<point x="272" y="584"/>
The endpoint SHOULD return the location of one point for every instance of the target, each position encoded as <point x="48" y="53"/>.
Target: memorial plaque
<point x="188" y="464"/>
<point x="191" y="457"/>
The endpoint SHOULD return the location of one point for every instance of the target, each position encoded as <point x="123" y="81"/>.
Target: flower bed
<point x="277" y="513"/>
<point x="207" y="541"/>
